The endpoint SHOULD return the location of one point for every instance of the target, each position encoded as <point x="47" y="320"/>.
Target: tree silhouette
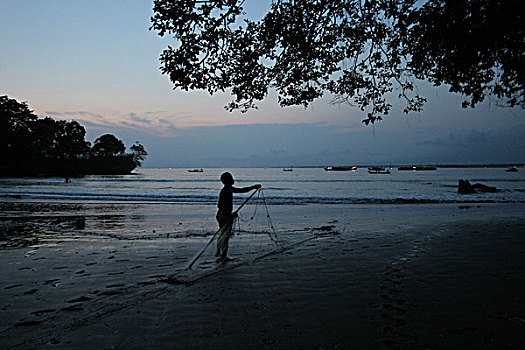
<point x="108" y="145"/>
<point x="363" y="52"/>
<point x="15" y="129"/>
<point x="59" y="139"/>
<point x="33" y="146"/>
<point x="139" y="153"/>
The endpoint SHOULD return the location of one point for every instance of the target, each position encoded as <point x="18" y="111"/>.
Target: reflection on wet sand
<point x="102" y="269"/>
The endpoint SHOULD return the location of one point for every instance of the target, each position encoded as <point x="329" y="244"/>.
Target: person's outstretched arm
<point x="245" y="189"/>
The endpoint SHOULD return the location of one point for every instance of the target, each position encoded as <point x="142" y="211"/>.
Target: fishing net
<point x="253" y="234"/>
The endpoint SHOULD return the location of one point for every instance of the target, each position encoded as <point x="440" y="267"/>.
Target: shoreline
<point x="409" y="276"/>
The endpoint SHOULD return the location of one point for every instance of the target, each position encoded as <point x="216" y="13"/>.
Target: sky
<point x="97" y="62"/>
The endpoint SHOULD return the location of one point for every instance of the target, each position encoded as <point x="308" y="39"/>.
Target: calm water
<point x="301" y="186"/>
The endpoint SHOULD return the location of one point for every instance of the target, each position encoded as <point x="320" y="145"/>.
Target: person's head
<point x="227" y="179"/>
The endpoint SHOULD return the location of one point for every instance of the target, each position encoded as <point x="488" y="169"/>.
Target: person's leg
<point x="227" y="234"/>
<point x="221" y="220"/>
<point x="222" y="241"/>
<point x="218" y="252"/>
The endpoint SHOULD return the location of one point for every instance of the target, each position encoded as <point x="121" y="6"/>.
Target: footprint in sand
<point x="111" y="292"/>
<point x="54" y="341"/>
<point x="28" y="323"/>
<point x="54" y="282"/>
<point x="72" y="308"/>
<point x="146" y="283"/>
<point x="268" y="341"/>
<point x="79" y="300"/>
<point x="393" y="314"/>
<point x="398" y="310"/>
<point x="13" y="286"/>
<point x="41" y="312"/>
<point x="401" y="322"/>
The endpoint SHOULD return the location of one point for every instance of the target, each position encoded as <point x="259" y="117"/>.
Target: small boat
<point x="512" y="170"/>
<point x="340" y="168"/>
<point x="378" y="170"/>
<point x="288" y="169"/>
<point x="195" y="170"/>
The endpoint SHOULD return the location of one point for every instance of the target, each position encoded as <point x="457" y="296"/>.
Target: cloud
<point x="128" y="124"/>
<point x="498" y="145"/>
<point x="158" y="123"/>
<point x="87" y="119"/>
<point x="156" y="112"/>
<point x="93" y="125"/>
<point x="457" y="139"/>
<point x="76" y="113"/>
<point x="187" y="139"/>
<point x="137" y="118"/>
<point x="164" y="121"/>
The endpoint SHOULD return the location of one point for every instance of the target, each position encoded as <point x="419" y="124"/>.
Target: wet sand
<point x="407" y="276"/>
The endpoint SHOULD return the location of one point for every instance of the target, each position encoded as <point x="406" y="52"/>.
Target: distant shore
<point x="107" y="167"/>
<point x="480" y="165"/>
<point x="505" y="165"/>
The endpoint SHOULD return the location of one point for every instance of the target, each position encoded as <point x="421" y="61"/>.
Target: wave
<point x="116" y="197"/>
<point x="272" y="200"/>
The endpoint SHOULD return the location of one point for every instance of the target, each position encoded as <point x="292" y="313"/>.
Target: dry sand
<point x="407" y="276"/>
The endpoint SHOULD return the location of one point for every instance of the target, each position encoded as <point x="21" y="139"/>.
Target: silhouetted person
<point x="225" y="215"/>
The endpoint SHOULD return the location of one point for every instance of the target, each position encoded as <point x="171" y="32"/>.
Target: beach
<point x="193" y="174"/>
<point x="112" y="275"/>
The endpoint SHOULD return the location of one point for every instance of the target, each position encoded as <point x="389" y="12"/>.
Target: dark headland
<point x="33" y="146"/>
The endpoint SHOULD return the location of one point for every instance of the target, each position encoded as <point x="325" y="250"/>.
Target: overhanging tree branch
<point x="301" y="49"/>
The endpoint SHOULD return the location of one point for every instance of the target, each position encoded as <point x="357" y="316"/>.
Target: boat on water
<point x="417" y="168"/>
<point x="378" y="170"/>
<point x="340" y="168"/>
<point x="512" y="170"/>
<point x="195" y="170"/>
<point x="288" y="169"/>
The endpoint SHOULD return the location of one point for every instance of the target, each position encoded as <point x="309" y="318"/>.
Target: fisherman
<point x="225" y="215"/>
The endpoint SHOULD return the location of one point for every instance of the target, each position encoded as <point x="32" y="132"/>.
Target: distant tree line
<point x="32" y="146"/>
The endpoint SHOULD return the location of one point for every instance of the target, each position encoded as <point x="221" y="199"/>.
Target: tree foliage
<point x="139" y="153"/>
<point x="15" y="130"/>
<point x="108" y="145"/>
<point x="59" y="139"/>
<point x="363" y="52"/>
<point x="30" y="145"/>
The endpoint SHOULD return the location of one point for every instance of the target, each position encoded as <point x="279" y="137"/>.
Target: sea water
<point x="297" y="187"/>
<point x="118" y="233"/>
